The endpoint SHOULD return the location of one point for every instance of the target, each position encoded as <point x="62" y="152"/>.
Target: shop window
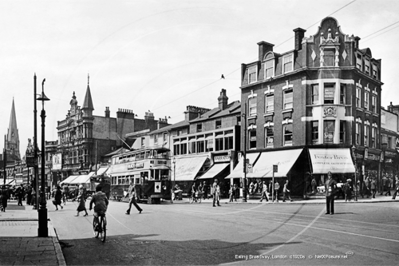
<point x="315" y="132"/>
<point x="252" y="74"/>
<point x="218" y="144"/>
<point x="228" y="143"/>
<point x="269" y="137"/>
<point x="329" y="92"/>
<point x="252" y="138"/>
<point x="329" y="128"/>
<point x="269" y="103"/>
<point x="287" y="131"/>
<point x="288" y="99"/>
<point x="184" y="148"/>
<point x="209" y="145"/>
<point x="315" y="93"/>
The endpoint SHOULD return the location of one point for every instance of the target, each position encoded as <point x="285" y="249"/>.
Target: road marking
<point x="297" y="235"/>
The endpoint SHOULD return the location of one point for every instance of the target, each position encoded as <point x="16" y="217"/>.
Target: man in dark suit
<point x="331" y="186"/>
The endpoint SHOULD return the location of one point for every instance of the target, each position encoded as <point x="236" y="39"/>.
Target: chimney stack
<point x="264" y="48"/>
<point x="107" y="111"/>
<point x="223" y="100"/>
<point x="299" y="34"/>
<point x="357" y="39"/>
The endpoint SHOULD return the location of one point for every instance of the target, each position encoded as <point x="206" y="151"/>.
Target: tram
<point x="148" y="168"/>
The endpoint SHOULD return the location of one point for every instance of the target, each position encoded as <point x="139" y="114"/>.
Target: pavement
<point x="20" y="244"/>
<point x="19" y="241"/>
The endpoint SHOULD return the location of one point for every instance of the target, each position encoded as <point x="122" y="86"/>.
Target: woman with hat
<point x="82" y="201"/>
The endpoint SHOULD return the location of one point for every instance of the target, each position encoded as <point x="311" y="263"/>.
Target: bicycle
<point x="100" y="227"/>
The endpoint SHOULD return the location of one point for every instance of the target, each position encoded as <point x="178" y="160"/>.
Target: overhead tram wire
<point x="318" y="21"/>
<point x="370" y="36"/>
<point x="239" y="68"/>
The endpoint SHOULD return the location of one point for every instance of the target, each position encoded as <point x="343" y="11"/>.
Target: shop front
<point x="338" y="161"/>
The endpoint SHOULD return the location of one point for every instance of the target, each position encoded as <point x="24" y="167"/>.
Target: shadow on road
<point x="133" y="250"/>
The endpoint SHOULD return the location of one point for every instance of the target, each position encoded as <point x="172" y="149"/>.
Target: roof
<point x="118" y="151"/>
<point x="216" y="112"/>
<point x="88" y="102"/>
<point x="169" y="127"/>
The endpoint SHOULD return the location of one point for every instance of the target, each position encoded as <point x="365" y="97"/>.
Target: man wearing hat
<point x="331" y="186"/>
<point x="216" y="193"/>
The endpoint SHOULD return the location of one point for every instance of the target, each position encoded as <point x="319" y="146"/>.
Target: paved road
<point x="236" y="234"/>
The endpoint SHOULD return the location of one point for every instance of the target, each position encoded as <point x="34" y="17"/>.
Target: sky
<point x="160" y="56"/>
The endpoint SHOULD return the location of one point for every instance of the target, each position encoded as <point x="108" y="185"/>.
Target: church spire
<point x="12" y="134"/>
<point x="88" y="102"/>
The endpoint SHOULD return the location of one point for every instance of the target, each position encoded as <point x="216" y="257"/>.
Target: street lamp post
<point x="43" y="230"/>
<point x="174" y="177"/>
<point x="354" y="160"/>
<point x="244" y="181"/>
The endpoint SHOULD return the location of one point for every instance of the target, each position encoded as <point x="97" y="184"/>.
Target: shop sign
<point x="373" y="157"/>
<point x="389" y="153"/>
<point x="221" y="158"/>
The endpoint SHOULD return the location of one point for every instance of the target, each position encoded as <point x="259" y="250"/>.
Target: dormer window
<point x="359" y="62"/>
<point x="288" y="62"/>
<point x="367" y="66"/>
<point x="269" y="69"/>
<point x="252" y="74"/>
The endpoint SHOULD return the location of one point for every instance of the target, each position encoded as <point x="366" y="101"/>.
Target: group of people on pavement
<point x="267" y="189"/>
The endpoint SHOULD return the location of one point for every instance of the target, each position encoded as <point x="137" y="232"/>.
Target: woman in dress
<point x="82" y="201"/>
<point x="57" y="198"/>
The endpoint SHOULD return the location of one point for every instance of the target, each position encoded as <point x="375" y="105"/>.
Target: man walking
<point x="330" y="186"/>
<point x="215" y="193"/>
<point x="286" y="191"/>
<point x="264" y="192"/>
<point x="132" y="198"/>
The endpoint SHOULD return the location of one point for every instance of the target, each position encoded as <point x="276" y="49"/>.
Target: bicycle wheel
<point x="95" y="231"/>
<point x="103" y="232"/>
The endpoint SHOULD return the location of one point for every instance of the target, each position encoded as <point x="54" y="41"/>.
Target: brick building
<point x="205" y="145"/>
<point x="83" y="138"/>
<point x="313" y="104"/>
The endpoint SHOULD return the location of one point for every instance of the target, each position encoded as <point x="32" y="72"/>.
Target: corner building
<point x="313" y="109"/>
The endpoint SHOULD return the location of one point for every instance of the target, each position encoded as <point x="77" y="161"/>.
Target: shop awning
<point x="214" y="170"/>
<point x="284" y="160"/>
<point x="333" y="160"/>
<point x="69" y="179"/>
<point x="187" y="168"/>
<point x="238" y="170"/>
<point x="100" y="171"/>
<point x="82" y="179"/>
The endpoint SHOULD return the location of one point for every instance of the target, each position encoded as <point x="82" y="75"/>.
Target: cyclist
<point x="100" y="201"/>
